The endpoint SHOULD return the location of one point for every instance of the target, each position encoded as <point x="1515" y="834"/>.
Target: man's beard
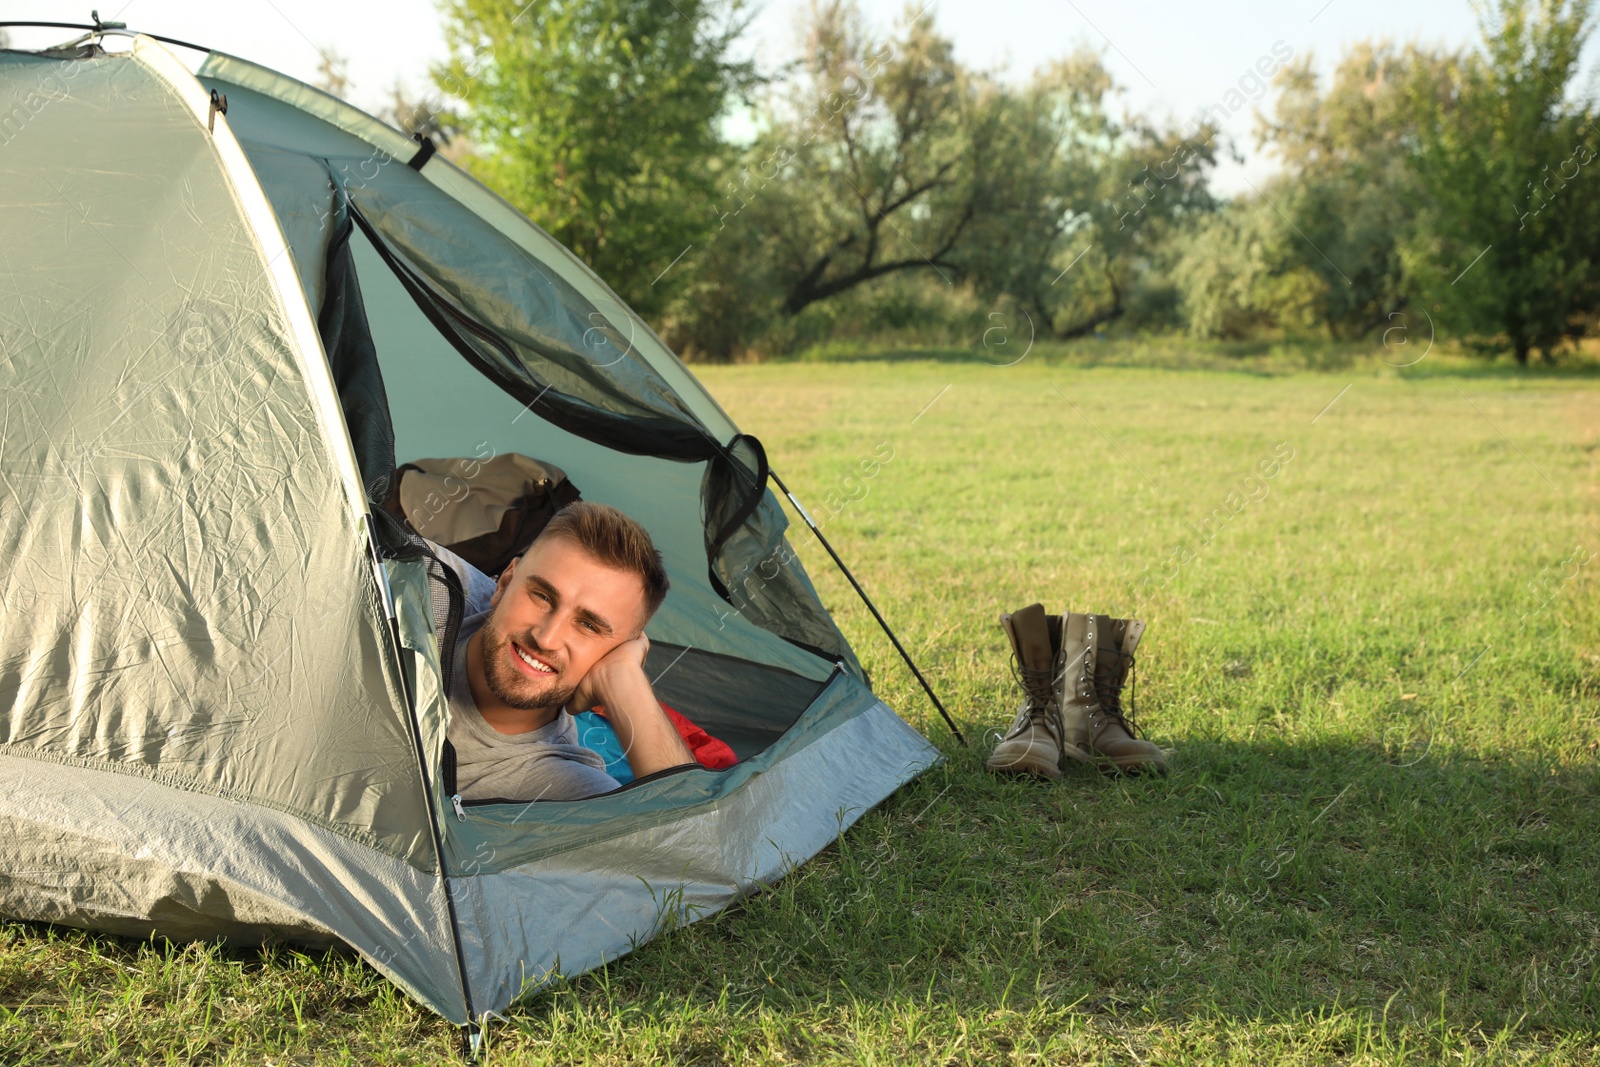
<point x="511" y="685"/>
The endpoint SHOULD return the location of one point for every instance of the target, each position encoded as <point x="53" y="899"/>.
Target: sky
<point x="1172" y="59"/>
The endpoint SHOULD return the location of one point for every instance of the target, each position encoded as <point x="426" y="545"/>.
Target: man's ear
<point x="505" y="580"/>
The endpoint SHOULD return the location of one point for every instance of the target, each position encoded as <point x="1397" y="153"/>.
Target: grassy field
<point x="1378" y="669"/>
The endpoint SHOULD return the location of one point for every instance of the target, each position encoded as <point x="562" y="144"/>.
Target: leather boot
<point x="1075" y="691"/>
<point x="1036" y="743"/>
<point x="1113" y="739"/>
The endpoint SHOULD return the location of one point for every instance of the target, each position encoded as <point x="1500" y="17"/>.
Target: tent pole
<point x="862" y="593"/>
<point x="112" y="28"/>
<point x="472" y="1036"/>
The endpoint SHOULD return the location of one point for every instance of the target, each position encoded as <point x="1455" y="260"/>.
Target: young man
<point x="563" y="631"/>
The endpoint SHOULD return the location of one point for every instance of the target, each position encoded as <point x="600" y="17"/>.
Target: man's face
<point x="557" y="611"/>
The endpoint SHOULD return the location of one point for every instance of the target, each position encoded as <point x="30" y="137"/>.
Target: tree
<point x="1117" y="195"/>
<point x="872" y="165"/>
<point x="886" y="158"/>
<point x="599" y="120"/>
<point x="1041" y="245"/>
<point x="1504" y="243"/>
<point x="1241" y="274"/>
<point x="862" y="172"/>
<point x="1084" y="207"/>
<point x="1350" y="191"/>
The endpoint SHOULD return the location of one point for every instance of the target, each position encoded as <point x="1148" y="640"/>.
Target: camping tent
<point x="220" y="698"/>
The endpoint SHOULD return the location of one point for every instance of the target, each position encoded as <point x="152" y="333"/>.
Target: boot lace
<point x="1033" y="679"/>
<point x="1108" y="690"/>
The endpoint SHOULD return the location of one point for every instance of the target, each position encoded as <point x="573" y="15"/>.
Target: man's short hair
<point x="616" y="541"/>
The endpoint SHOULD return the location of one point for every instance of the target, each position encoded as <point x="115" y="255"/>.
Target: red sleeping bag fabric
<point x="707" y="750"/>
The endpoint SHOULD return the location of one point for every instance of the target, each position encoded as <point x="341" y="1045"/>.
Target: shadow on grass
<point x="1389" y="877"/>
<point x="1257" y="881"/>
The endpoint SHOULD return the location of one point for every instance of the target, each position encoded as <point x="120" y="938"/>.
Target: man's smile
<point x="530" y="662"/>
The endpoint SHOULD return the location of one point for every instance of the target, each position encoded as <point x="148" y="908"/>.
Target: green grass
<point x="1378" y="843"/>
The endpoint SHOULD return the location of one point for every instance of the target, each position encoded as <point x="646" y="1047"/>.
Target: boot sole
<point x="1039" y="770"/>
<point x="1026" y="770"/>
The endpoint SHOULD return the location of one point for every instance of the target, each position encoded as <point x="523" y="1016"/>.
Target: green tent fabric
<point x="221" y="711"/>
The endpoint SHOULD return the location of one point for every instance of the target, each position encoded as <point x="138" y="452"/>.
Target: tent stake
<point x="472" y="1042"/>
<point x="862" y="593"/>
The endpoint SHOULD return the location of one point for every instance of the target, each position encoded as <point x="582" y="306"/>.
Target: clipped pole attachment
<point x="862" y="593"/>
<point x="219" y="106"/>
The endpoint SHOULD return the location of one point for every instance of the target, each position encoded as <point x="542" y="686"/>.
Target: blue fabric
<point x="595" y="732"/>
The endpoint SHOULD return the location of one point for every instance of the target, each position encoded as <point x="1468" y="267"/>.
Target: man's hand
<point x="618" y="681"/>
<point x="622" y="666"/>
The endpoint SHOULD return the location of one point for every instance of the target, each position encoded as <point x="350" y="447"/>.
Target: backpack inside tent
<point x="220" y="333"/>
